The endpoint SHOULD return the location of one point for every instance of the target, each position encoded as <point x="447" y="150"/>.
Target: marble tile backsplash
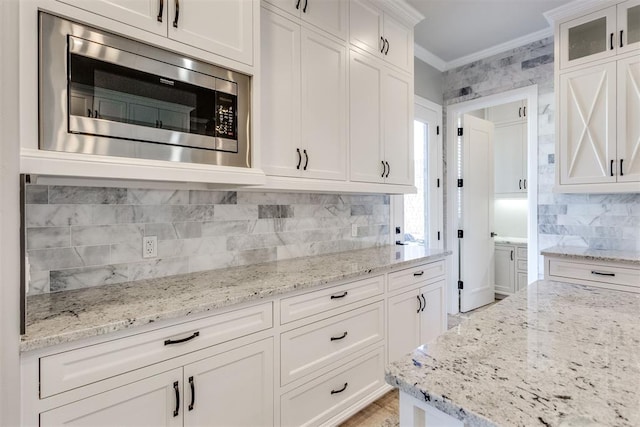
<point x="85" y="236"/>
<point x="597" y="221"/>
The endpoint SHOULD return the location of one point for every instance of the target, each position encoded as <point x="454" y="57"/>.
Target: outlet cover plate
<point x="149" y="246"/>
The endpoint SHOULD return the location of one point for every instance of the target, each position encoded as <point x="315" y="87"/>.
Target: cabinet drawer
<point x="521" y="252"/>
<point x="522" y="265"/>
<point x="594" y="274"/>
<point x="319" y="400"/>
<point x="311" y="303"/>
<point x="65" y="371"/>
<point x="415" y="275"/>
<point x="310" y="347"/>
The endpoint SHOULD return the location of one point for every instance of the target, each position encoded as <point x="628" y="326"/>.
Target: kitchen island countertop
<point x="62" y="317"/>
<point x="555" y="354"/>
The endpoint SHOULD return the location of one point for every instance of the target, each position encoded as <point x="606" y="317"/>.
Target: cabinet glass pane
<point x="588" y="38"/>
<point x="633" y="24"/>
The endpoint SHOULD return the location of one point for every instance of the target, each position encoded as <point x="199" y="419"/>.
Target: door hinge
<point x="437" y="130"/>
<point x="460" y="132"/>
<point x="460" y="284"/>
<point x="460" y="183"/>
<point x="460" y="234"/>
<point x="438" y="183"/>
<point x="438" y="235"/>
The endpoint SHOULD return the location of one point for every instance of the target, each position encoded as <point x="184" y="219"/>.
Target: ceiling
<point x="455" y="29"/>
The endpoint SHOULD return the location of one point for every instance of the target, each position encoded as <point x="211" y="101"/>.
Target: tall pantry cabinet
<point x="598" y="96"/>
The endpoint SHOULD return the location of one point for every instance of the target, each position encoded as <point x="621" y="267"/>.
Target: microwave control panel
<point x="226" y="116"/>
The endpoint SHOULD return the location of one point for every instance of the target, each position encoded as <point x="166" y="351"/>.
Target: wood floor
<point x="384" y="411"/>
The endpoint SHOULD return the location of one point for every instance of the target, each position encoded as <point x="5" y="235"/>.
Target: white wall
<point x="9" y="217"/>
<point x="428" y="81"/>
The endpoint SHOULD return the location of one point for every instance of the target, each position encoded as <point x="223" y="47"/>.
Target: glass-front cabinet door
<point x="588" y="38"/>
<point x="629" y="26"/>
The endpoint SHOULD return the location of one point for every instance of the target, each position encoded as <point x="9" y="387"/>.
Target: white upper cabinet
<point x="588" y="133"/>
<point x="304" y="101"/>
<point x="222" y="27"/>
<point x="380" y="129"/>
<point x="508" y="113"/>
<point x="510" y="140"/>
<point x="629" y="119"/>
<point x="601" y="34"/>
<point x="327" y="15"/>
<point x="324" y="107"/>
<point x="380" y="34"/>
<point x="598" y="98"/>
<point x="397" y="112"/>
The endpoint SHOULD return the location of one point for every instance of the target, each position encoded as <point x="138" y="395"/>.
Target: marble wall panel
<point x="81" y="236"/>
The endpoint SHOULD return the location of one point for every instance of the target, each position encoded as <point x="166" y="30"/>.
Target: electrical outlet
<point x="149" y="246"/>
<point x="354" y="230"/>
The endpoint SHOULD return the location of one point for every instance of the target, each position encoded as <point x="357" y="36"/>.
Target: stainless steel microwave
<point x="104" y="94"/>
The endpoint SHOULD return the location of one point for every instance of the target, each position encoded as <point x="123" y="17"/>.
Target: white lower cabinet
<point x="415" y="317"/>
<point x="510" y="268"/>
<point x="150" y="402"/>
<point x="234" y="388"/>
<point x="329" y="349"/>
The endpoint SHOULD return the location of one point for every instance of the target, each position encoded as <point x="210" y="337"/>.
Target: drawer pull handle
<point x="193" y="393"/>
<point x="340" y="337"/>
<point x="344" y="294"/>
<point x="344" y="387"/>
<point x="600" y="273"/>
<point x="189" y="338"/>
<point x="418" y="274"/>
<point x="176" y="388"/>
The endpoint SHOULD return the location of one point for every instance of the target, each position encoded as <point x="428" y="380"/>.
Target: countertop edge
<point x="39" y="343"/>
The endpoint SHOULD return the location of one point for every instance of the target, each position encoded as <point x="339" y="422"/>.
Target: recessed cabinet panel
<point x="397" y="111"/>
<point x="403" y="324"/>
<point x="505" y="269"/>
<point x="510" y="158"/>
<point x="588" y="137"/>
<point x="365" y="102"/>
<point x="433" y="312"/>
<point x="234" y="388"/>
<point x="224" y="27"/>
<point x="147" y="403"/>
<point x="365" y="30"/>
<point x="324" y="106"/>
<point x="328" y="15"/>
<point x="143" y="14"/>
<point x="280" y="98"/>
<point x="629" y="120"/>
<point x="399" y="39"/>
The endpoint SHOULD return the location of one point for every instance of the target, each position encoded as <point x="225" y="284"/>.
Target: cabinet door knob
<point x="306" y="159"/>
<point x="524" y="111"/>
<point x="520" y="112"/>
<point x="419" y="304"/>
<point x="306" y="3"/>
<point x="383" y="44"/>
<point x="384" y="168"/>
<point x="386" y="52"/>
<point x="177" y="15"/>
<point x="524" y="182"/>
<point x="160" y="10"/>
<point x="299" y="158"/>
<point x="298" y="5"/>
<point x="621" y="172"/>
<point x="520" y="184"/>
<point x="621" y="32"/>
<point x="424" y="302"/>
<point x="611" y="167"/>
<point x="388" y="169"/>
<point x="511" y="255"/>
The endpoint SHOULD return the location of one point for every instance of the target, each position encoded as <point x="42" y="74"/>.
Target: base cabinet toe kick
<point x="310" y="357"/>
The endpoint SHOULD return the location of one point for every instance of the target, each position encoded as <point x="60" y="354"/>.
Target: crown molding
<point x="576" y="7"/>
<point x="401" y="10"/>
<point x="502" y="47"/>
<point x="429" y="58"/>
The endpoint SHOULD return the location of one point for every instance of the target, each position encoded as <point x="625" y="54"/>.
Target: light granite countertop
<point x="632" y="257"/>
<point x="511" y="240"/>
<point x="72" y="315"/>
<point x="554" y="354"/>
